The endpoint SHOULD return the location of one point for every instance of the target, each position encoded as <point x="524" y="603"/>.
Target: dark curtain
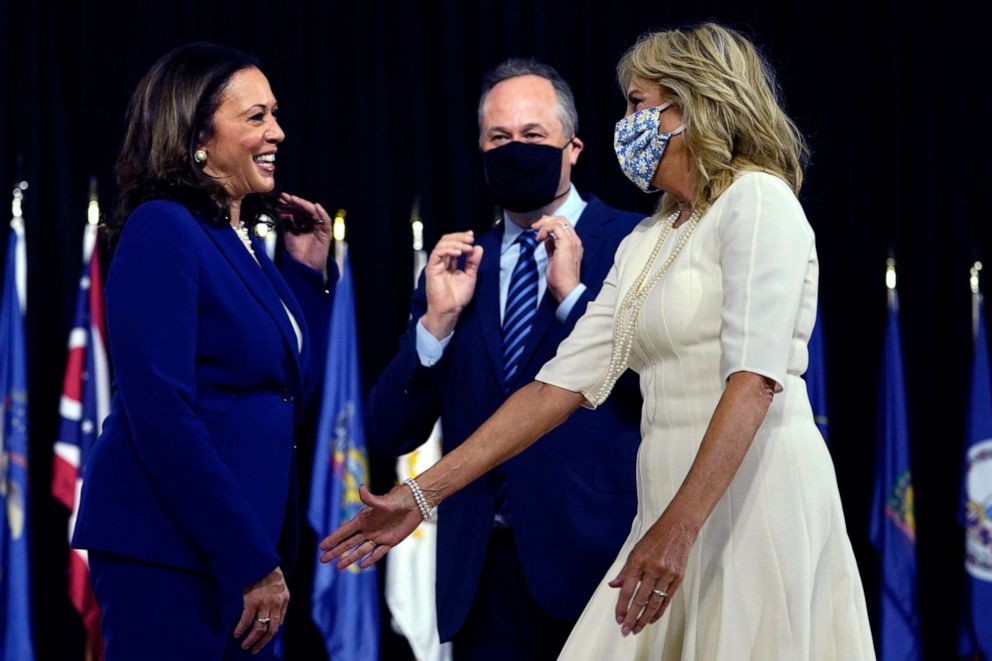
<point x="378" y="100"/>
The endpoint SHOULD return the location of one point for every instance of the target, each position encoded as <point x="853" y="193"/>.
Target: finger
<point x="638" y="603"/>
<point x="670" y="591"/>
<point x="473" y="261"/>
<point x="346" y="547"/>
<point x="468" y="236"/>
<point x="370" y="499"/>
<point x="244" y="622"/>
<point x="376" y="555"/>
<point x="651" y="610"/>
<point x="340" y="548"/>
<point x="454" y="244"/>
<point x="270" y="633"/>
<point x="302" y="203"/>
<point x="348" y="529"/>
<point x="256" y="632"/>
<point x="322" y="214"/>
<point x="544" y="233"/>
<point x="627" y="589"/>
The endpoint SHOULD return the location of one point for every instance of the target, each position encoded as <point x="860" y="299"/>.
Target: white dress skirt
<point x="772" y="574"/>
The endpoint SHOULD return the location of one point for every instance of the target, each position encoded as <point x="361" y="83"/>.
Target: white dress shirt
<point x="430" y="349"/>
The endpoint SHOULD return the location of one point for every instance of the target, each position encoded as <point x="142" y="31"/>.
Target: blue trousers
<point x="153" y="612"/>
<point x="505" y="622"/>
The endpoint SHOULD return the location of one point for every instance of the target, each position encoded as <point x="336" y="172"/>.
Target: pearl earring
<point x="200" y="156"/>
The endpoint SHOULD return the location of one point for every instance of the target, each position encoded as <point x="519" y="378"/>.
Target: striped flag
<point x="84" y="405"/>
<point x="15" y="594"/>
<point x="893" y="524"/>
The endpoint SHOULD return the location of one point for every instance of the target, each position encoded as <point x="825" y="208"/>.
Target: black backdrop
<point x="378" y="102"/>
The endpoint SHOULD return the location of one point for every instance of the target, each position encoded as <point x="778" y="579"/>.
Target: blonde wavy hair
<point x="730" y="101"/>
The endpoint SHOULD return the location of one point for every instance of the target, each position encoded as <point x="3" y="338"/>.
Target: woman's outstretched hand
<point x="385" y="522"/>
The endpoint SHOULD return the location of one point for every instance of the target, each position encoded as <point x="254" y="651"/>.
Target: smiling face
<point x="675" y="165"/>
<point x="241" y="152"/>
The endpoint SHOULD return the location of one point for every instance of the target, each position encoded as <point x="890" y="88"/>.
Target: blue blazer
<point x="572" y="494"/>
<point x="195" y="465"/>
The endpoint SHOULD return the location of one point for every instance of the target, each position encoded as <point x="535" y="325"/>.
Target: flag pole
<point x="20" y="263"/>
<point x="976" y="296"/>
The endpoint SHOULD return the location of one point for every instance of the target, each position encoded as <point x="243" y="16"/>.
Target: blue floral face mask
<point x="640" y="147"/>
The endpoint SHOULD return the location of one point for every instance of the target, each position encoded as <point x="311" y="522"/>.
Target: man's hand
<point x="564" y="254"/>
<point x="450" y="289"/>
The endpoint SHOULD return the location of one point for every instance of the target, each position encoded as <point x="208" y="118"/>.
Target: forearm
<point x="728" y="437"/>
<point x="526" y="416"/>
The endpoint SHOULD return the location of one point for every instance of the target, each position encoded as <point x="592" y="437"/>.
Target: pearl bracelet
<point x="418" y="496"/>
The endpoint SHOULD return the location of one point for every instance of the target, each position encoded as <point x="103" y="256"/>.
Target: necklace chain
<point x="625" y="326"/>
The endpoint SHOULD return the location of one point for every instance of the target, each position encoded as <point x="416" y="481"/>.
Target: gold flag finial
<point x="339" y="225"/>
<point x="890" y="273"/>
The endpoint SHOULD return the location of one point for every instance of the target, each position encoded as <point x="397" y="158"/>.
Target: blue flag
<point x="345" y="603"/>
<point x="15" y="604"/>
<point x="976" y="625"/>
<point x="893" y="525"/>
<point x="816" y="377"/>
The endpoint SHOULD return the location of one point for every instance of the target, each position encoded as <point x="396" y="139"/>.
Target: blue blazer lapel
<point x="258" y="283"/>
<point x="487" y="298"/>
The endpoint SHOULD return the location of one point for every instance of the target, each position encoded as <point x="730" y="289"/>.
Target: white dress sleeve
<point x="765" y="249"/>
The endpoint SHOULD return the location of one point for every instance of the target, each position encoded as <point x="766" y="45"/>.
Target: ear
<point x="577" y="147"/>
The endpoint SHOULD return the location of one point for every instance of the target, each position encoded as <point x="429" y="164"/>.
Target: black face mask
<point x="523" y="176"/>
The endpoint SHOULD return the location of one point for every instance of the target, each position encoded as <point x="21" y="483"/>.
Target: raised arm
<point x="526" y="416"/>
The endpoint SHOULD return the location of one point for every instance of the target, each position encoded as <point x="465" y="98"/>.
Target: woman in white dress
<point x="739" y="548"/>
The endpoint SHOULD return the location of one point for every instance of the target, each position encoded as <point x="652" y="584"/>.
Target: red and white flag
<point x="85" y="404"/>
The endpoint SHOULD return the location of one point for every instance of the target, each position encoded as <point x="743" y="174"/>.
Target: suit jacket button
<point x="287" y="396"/>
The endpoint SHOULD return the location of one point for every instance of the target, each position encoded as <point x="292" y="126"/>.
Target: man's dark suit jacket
<point x="572" y="494"/>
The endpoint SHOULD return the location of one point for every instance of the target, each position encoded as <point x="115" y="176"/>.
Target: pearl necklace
<point x="625" y="326"/>
<point x="242" y="231"/>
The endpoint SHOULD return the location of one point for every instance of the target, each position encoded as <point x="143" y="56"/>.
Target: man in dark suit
<point x="521" y="550"/>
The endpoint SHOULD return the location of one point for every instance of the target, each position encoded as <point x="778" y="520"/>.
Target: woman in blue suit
<point x="189" y="494"/>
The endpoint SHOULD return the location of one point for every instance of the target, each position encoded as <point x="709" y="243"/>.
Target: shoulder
<point x="159" y="229"/>
<point x="761" y="197"/>
<point x="757" y="187"/>
<point x="159" y="216"/>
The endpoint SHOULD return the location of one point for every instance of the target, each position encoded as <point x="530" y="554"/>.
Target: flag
<point x="15" y="597"/>
<point x="893" y="525"/>
<point x="816" y="377"/>
<point x="345" y="604"/>
<point x="84" y="405"/>
<point x="976" y="626"/>
<point x="412" y="565"/>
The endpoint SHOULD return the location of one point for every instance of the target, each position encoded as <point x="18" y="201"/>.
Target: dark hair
<point x="168" y="117"/>
<point x="515" y="67"/>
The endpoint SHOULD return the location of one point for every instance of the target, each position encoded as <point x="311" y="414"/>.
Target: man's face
<point x="525" y="109"/>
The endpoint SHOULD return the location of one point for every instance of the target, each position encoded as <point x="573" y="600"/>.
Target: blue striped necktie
<point x="521" y="305"/>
